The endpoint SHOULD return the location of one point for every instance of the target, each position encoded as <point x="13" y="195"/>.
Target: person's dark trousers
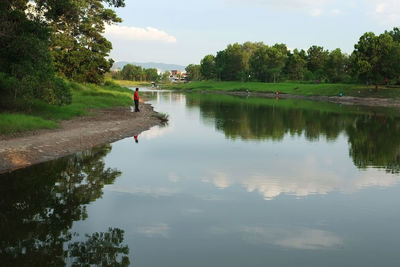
<point x="137" y="106"/>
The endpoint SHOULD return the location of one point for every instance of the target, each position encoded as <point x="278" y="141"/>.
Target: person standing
<point x="136" y="99"/>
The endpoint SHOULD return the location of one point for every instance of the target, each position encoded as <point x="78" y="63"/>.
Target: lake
<point x="230" y="181"/>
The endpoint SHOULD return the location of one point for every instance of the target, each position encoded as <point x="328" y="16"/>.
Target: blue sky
<point x="184" y="32"/>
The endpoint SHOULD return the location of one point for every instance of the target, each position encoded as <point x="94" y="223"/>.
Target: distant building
<point x="175" y="73"/>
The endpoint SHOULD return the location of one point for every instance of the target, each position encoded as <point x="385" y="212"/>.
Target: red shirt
<point x="136" y="96"/>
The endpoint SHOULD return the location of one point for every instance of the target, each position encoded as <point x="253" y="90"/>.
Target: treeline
<point x="375" y="59"/>
<point x="136" y="73"/>
<point x="43" y="42"/>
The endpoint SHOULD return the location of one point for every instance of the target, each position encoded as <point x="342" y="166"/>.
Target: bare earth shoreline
<point x="78" y="134"/>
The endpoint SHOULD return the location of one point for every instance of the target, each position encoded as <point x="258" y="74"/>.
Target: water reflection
<point x="373" y="134"/>
<point x="297" y="238"/>
<point x="100" y="249"/>
<point x="39" y="204"/>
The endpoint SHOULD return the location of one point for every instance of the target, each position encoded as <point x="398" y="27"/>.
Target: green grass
<point x="84" y="97"/>
<point x="306" y="89"/>
<point x="13" y="123"/>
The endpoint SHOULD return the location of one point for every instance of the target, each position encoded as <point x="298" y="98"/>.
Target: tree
<point x="78" y="48"/>
<point x="151" y="75"/>
<point x="267" y="63"/>
<point x="136" y="73"/>
<point x="376" y="57"/>
<point x="395" y="33"/>
<point x="26" y="70"/>
<point x="208" y="67"/>
<point x="296" y="65"/>
<point x="336" y="66"/>
<point x="317" y="58"/>
<point x="165" y="76"/>
<point x="193" y="72"/>
<point x="40" y="204"/>
<point x="100" y="249"/>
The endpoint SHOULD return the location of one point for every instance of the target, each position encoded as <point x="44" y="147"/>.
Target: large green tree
<point x="230" y="63"/>
<point x="26" y="70"/>
<point x="376" y="57"/>
<point x="296" y="65"/>
<point x="317" y="57"/>
<point x="193" y="72"/>
<point x="207" y="67"/>
<point x="336" y="66"/>
<point x="78" y="47"/>
<point x="267" y="63"/>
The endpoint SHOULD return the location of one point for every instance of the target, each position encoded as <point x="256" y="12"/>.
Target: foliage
<point x="193" y="72"/>
<point x="40" y="204"/>
<point x="207" y="67"/>
<point x="100" y="249"/>
<point x="374" y="58"/>
<point x="377" y="57"/>
<point x="136" y="73"/>
<point x="296" y="65"/>
<point x="78" y="47"/>
<point x="267" y="63"/>
<point x="40" y="38"/>
<point x="26" y="70"/>
<point x="165" y="76"/>
<point x="230" y="64"/>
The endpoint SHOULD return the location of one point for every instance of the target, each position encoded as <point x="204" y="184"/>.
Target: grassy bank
<point x="84" y="97"/>
<point x="306" y="89"/>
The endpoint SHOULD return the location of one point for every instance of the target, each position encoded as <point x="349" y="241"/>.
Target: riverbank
<point x="352" y="94"/>
<point x="40" y="115"/>
<point x="75" y="135"/>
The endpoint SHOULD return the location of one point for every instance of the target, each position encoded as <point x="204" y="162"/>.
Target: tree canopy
<point x="374" y="59"/>
<point x="42" y="40"/>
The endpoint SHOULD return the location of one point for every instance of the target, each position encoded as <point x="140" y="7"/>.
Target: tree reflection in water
<point x="39" y="204"/>
<point x="373" y="133"/>
<point x="100" y="249"/>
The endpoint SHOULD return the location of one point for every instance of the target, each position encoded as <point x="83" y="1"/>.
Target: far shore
<point x="347" y="94"/>
<point x="345" y="100"/>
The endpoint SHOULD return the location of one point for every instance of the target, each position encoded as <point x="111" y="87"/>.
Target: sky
<point x="183" y="32"/>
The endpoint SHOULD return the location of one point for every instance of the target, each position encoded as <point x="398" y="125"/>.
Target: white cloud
<point x="138" y="34"/>
<point x="306" y="177"/>
<point x="300" y="238"/>
<point x="156" y="230"/>
<point x="336" y="11"/>
<point x="146" y="190"/>
<point x="219" y="179"/>
<point x="386" y="12"/>
<point x="316" y="12"/>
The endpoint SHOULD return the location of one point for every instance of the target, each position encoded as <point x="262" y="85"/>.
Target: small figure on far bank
<point x="136" y="99"/>
<point x="386" y="81"/>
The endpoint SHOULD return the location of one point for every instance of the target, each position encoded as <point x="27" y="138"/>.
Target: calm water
<point x="229" y="182"/>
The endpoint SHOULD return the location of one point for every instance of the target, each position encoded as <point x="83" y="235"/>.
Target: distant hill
<point x="161" y="66"/>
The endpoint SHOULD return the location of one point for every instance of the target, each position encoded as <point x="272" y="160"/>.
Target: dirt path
<point x="108" y="125"/>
